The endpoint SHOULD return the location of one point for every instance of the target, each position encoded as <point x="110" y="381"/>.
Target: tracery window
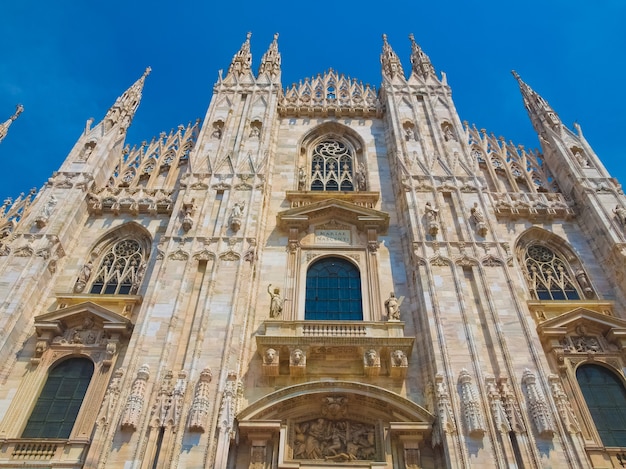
<point x="120" y="269"/>
<point x="58" y="404"/>
<point x="605" y="396"/>
<point x="333" y="291"/>
<point x="332" y="167"/>
<point x="548" y="275"/>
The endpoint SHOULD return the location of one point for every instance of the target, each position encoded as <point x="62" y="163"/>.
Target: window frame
<point x="350" y="299"/>
<point x="600" y="424"/>
<point x="36" y="429"/>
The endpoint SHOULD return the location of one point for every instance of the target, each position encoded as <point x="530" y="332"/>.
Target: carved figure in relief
<point x="269" y="357"/>
<point x="335" y="407"/>
<point x="342" y="440"/>
<point x="301" y="179"/>
<point x="398" y="358"/>
<point x="587" y="344"/>
<point x="255" y="132"/>
<point x="276" y="302"/>
<point x="297" y="357"/>
<point x="371" y="358"/>
<point x="392" y="305"/>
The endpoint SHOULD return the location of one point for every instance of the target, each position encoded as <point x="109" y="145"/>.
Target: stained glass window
<point x="119" y="270"/>
<point x="333" y="291"/>
<point x="332" y="167"/>
<point x="59" y="402"/>
<point x="606" y="400"/>
<point x="548" y="275"/>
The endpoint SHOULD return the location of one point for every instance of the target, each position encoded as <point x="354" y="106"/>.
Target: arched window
<point x="606" y="399"/>
<point x="120" y="269"/>
<point x="333" y="291"/>
<point x="332" y="166"/>
<point x="548" y="275"/>
<point x="57" y="407"/>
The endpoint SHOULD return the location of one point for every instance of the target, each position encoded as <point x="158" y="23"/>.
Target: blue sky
<point x="66" y="61"/>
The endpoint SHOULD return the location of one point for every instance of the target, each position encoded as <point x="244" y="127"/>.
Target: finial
<point x="411" y="37"/>
<point x="248" y="36"/>
<point x="147" y="71"/>
<point x="385" y="38"/>
<point x="276" y="36"/>
<point x="4" y="127"/>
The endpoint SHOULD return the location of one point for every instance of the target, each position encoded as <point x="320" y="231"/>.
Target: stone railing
<point x="51" y="452"/>
<point x="323" y="347"/>
<point x="334" y="330"/>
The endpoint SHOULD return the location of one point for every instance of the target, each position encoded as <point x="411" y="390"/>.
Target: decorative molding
<point x="568" y="417"/>
<point x="134" y="404"/>
<point x="199" y="413"/>
<point x="538" y="406"/>
<point x="474" y="421"/>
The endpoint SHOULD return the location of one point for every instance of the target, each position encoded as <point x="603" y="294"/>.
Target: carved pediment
<point x="82" y="317"/>
<point x="341" y="210"/>
<point x="579" y="328"/>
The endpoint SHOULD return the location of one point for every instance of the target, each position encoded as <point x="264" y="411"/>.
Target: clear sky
<point x="66" y="61"/>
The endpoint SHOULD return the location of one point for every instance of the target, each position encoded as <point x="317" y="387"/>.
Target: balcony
<point x="42" y="453"/>
<point x="334" y="347"/>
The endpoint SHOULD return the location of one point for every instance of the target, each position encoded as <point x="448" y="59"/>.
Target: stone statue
<point x="301" y="179"/>
<point x="392" y="305"/>
<point x="235" y="216"/>
<point x="409" y="134"/>
<point x="620" y="212"/>
<point x="448" y="133"/>
<point x="83" y="277"/>
<point x="477" y="216"/>
<point x="581" y="276"/>
<point x="360" y="178"/>
<point x="237" y="210"/>
<point x="276" y="302"/>
<point x="432" y="215"/>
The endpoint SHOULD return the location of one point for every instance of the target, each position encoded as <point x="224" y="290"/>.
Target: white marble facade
<point x="481" y="278"/>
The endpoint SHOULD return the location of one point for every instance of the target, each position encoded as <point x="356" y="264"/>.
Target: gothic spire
<point x="537" y="107"/>
<point x="4" y="128"/>
<point x="123" y="110"/>
<point x="420" y="61"/>
<point x="242" y="59"/>
<point x="390" y="61"/>
<point x="270" y="63"/>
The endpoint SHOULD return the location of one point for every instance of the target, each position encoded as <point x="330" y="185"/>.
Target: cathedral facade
<point x="316" y="275"/>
